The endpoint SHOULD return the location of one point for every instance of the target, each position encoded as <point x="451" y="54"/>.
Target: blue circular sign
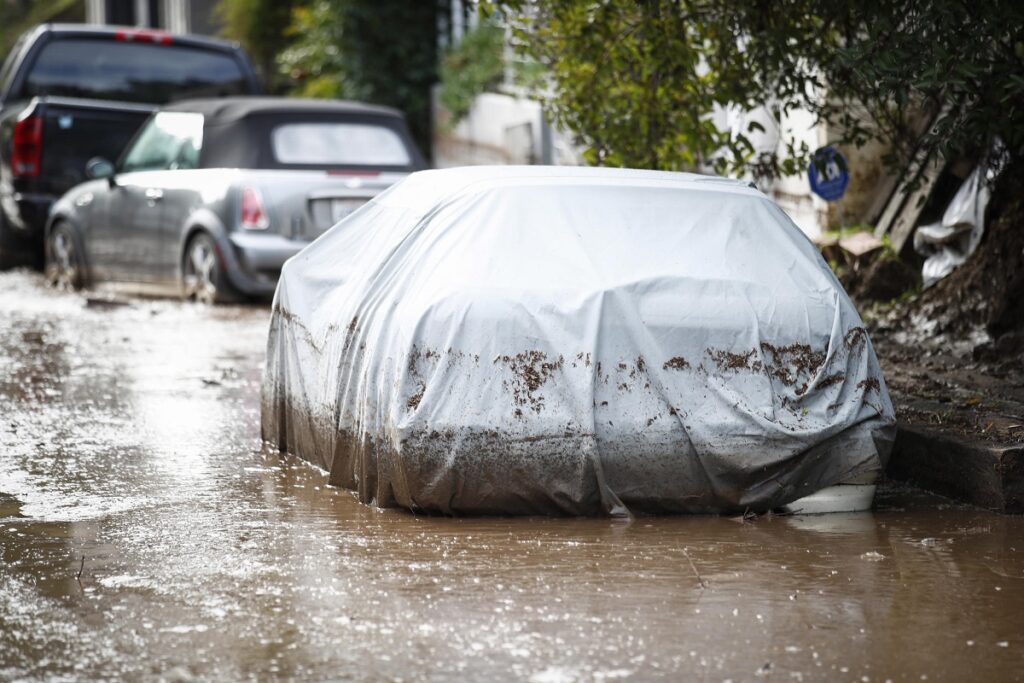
<point x="828" y="173"/>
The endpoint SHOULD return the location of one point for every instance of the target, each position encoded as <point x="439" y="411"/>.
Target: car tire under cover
<point x="202" y="273"/>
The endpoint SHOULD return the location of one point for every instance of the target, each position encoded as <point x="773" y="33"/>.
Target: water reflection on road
<point x="129" y="438"/>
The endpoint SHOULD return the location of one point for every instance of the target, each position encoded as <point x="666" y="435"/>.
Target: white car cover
<point x="579" y="341"/>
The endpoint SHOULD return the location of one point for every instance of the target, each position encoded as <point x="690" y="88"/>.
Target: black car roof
<point x="229" y="109"/>
<point x="239" y="128"/>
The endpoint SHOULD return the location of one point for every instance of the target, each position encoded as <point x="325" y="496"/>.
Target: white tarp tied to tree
<point x="577" y="341"/>
<point x="948" y="243"/>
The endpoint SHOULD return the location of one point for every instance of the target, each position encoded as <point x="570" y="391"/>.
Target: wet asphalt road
<point x="145" y="534"/>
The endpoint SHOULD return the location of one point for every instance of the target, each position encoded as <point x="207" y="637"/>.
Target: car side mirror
<point x="98" y="167"/>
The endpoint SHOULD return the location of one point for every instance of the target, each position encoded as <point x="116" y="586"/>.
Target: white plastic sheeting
<point x="578" y="341"/>
<point x="948" y="243"/>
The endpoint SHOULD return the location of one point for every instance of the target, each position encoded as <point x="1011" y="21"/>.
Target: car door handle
<point x="154" y="195"/>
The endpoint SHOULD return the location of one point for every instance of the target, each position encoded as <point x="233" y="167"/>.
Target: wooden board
<point x="905" y="206"/>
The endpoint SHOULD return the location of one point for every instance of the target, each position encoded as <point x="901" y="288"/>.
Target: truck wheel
<point x="65" y="268"/>
<point x="12" y="250"/>
<point x="202" y="273"/>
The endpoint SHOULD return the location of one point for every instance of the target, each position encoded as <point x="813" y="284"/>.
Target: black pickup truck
<point x="69" y="93"/>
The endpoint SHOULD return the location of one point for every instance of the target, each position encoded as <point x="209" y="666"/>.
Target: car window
<point x="169" y="140"/>
<point x="339" y="144"/>
<point x="133" y="72"/>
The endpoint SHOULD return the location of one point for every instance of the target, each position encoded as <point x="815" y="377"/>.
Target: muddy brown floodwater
<point x="129" y="437"/>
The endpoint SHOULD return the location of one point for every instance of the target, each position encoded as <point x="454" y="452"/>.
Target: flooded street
<point x="145" y="534"/>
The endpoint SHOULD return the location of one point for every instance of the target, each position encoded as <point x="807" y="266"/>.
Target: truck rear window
<point x="133" y="72"/>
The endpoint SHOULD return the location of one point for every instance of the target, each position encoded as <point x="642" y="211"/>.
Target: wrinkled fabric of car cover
<point x="572" y="341"/>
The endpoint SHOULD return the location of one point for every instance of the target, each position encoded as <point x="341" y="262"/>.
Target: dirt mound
<point x="884" y="280"/>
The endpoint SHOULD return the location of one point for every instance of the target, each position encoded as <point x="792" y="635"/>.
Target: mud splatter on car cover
<point x="572" y="341"/>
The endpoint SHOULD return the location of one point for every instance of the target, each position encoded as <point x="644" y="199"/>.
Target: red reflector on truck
<point x="143" y="36"/>
<point x="27" y="147"/>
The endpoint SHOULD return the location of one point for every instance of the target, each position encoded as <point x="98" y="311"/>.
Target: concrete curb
<point x="984" y="474"/>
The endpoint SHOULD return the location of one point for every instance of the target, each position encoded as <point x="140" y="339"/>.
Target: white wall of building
<point x="793" y="193"/>
<point x="500" y="129"/>
<point x="505" y="129"/>
<point x="173" y="16"/>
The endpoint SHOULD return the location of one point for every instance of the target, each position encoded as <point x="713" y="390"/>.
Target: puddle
<point x="145" y="534"/>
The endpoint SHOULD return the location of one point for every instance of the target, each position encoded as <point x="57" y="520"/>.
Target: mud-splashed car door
<point x="139" y="213"/>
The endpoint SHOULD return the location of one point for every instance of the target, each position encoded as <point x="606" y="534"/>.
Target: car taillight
<point x="27" y="147"/>
<point x="253" y="215"/>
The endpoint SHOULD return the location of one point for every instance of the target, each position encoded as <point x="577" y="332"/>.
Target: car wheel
<point x="202" y="273"/>
<point x="64" y="266"/>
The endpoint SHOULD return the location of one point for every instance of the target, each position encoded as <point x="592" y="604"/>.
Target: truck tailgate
<point x="75" y="131"/>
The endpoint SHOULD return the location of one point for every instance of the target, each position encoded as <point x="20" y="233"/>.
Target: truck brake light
<point x="253" y="215"/>
<point x="144" y="36"/>
<point x="27" y="147"/>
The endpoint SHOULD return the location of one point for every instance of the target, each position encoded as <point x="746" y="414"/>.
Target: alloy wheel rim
<point x="201" y="272"/>
<point x="65" y="264"/>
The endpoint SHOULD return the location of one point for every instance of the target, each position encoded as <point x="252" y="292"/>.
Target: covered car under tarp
<point x="579" y="341"/>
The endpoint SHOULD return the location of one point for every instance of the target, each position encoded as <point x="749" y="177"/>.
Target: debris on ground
<point x="952" y="354"/>
<point x="102" y="302"/>
<point x="867" y="266"/>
